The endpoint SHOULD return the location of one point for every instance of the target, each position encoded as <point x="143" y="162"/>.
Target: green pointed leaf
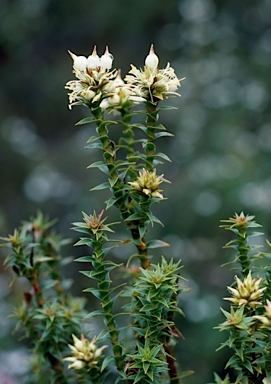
<point x="109" y="203"/>
<point x="134" y="216"/>
<point x="100" y="165"/>
<point x="113" y="182"/>
<point x="92" y="138"/>
<point x="84" y="241"/>
<point x="98" y="312"/>
<point x="138" y="377"/>
<point x="163" y="156"/>
<point x="107" y="361"/>
<point x="157" y="244"/>
<point x="162" y="134"/>
<point x="136" y="255"/>
<point x="232" y="361"/>
<point x="101" y="186"/>
<point x="94" y="292"/>
<point x="142" y="231"/>
<point x="86" y="120"/>
<point x="94" y="146"/>
<point x="156" y="220"/>
<point x="81" y="229"/>
<point x="248" y="366"/>
<point x="140" y="126"/>
<point x="85" y="259"/>
<point x="166" y="108"/>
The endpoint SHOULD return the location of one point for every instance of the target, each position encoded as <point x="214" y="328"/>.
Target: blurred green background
<point x="220" y="153"/>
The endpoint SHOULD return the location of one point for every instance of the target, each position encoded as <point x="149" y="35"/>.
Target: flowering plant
<point x="137" y="343"/>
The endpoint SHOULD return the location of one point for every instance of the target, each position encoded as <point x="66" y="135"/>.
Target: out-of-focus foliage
<point x="220" y="153"/>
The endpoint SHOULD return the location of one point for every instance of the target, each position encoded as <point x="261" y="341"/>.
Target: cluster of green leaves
<point x="248" y="322"/>
<point x="129" y="160"/>
<point x="47" y="315"/>
<point x="95" y="237"/>
<point x="153" y="294"/>
<point x="153" y="306"/>
<point x="134" y="207"/>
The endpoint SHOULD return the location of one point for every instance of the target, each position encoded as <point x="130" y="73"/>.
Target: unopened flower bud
<point x="78" y="344"/>
<point x="104" y="104"/>
<point x="151" y="60"/>
<point x="173" y="86"/>
<point x="93" y="60"/>
<point x="79" y="62"/>
<point x="88" y="94"/>
<point x="115" y="99"/>
<point x="106" y="59"/>
<point x="77" y="364"/>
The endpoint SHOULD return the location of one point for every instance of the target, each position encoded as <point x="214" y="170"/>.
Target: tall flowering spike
<point x="152" y="59"/>
<point x="85" y="354"/>
<point x="148" y="183"/>
<point x="247" y="293"/>
<point x="93" y="61"/>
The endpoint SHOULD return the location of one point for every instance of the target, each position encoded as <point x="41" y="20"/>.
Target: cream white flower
<point x="148" y="184"/>
<point x="85" y="354"/>
<point x="248" y="292"/>
<point x="121" y="95"/>
<point x="94" y="78"/>
<point x="153" y="84"/>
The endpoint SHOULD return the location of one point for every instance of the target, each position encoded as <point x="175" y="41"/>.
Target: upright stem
<point x="171" y="361"/>
<point x="129" y="140"/>
<point x="118" y="189"/>
<point x="243" y="251"/>
<point x="152" y="116"/>
<point x="109" y="158"/>
<point x="106" y="303"/>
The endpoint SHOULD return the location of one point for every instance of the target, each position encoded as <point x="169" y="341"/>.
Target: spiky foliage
<point x="248" y="322"/>
<point x="47" y="315"/>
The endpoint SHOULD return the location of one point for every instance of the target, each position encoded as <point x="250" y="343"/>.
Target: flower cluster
<point x="85" y="354"/>
<point x="98" y="85"/>
<point x="93" y="224"/>
<point x="247" y="293"/>
<point x="152" y="83"/>
<point x="240" y="221"/>
<point x="148" y="184"/>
